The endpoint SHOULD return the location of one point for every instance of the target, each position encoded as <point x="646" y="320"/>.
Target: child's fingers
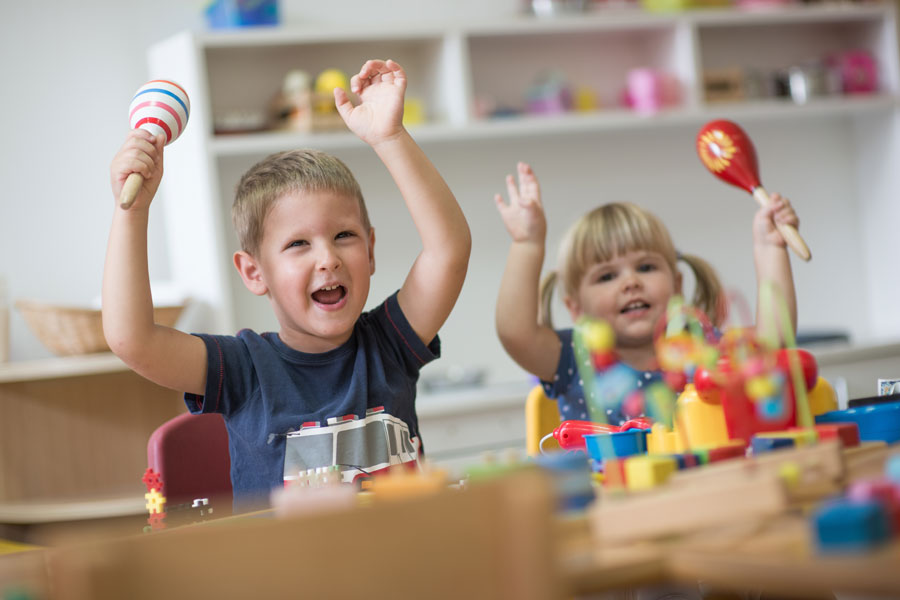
<point x="512" y="190"/>
<point x="342" y="103"/>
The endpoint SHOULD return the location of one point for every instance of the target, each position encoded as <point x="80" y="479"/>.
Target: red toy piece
<point x="152" y="480"/>
<point x="570" y="434"/>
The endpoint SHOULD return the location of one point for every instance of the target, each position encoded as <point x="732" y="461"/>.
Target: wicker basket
<point x="67" y="331"/>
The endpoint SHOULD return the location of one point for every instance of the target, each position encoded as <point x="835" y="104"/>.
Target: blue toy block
<point x="876" y="422"/>
<point x="767" y="444"/>
<point x="892" y="469"/>
<point x="619" y="444"/>
<point x="844" y="525"/>
<point x="571" y="476"/>
<point x="222" y="14"/>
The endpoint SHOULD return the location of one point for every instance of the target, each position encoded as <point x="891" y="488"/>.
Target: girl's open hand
<point x="524" y="215"/>
<point x="380" y="86"/>
<point x="778" y="211"/>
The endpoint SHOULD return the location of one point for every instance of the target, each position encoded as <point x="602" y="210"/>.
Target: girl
<point x="616" y="263"/>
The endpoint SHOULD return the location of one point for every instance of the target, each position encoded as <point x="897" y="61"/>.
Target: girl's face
<point x="630" y="292"/>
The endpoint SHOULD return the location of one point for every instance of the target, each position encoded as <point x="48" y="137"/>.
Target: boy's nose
<point x="328" y="259"/>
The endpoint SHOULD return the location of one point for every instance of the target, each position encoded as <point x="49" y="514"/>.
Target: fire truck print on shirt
<point x="359" y="447"/>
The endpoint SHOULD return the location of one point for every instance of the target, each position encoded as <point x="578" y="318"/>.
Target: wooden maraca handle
<point x="788" y="232"/>
<point x="130" y="190"/>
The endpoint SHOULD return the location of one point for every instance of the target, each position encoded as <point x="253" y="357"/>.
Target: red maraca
<point x="729" y="154"/>
<point x="160" y="107"/>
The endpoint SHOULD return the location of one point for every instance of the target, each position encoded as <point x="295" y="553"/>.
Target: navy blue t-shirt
<point x="266" y="390"/>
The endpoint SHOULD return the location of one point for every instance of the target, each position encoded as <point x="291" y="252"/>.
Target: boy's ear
<point x="250" y="273"/>
<point x="371" y="251"/>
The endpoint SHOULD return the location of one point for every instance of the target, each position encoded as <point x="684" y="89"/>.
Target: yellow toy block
<point x="646" y="472"/>
<point x="662" y="440"/>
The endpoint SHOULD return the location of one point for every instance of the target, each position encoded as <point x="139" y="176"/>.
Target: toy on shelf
<point x="650" y="90"/>
<point x="325" y="115"/>
<point x="292" y="106"/>
<point x="858" y="71"/>
<point x="160" y="107"/>
<point x="726" y="150"/>
<point x="550" y="94"/>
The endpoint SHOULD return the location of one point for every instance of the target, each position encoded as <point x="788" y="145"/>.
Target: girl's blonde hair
<point x="614" y="229"/>
<point x="295" y="170"/>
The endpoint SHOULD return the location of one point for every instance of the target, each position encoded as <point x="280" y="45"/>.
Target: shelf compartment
<point x="248" y="78"/>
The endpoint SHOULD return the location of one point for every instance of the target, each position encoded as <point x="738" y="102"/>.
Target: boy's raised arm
<point x="436" y="277"/>
<point x="161" y="354"/>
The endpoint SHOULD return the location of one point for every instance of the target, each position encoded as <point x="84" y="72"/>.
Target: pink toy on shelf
<point x="858" y="71"/>
<point x="649" y="90"/>
<point x="159" y="106"/>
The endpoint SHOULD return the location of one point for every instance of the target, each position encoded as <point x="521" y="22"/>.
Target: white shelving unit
<point x="835" y="157"/>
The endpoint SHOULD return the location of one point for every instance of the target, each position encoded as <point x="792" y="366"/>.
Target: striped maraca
<point x="160" y="107"/>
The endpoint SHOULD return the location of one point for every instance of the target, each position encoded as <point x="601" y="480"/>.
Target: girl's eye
<point x="646" y="267"/>
<point x="606" y="277"/>
<point x="298" y="243"/>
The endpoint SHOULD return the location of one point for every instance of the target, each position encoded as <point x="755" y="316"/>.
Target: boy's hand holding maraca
<point x="142" y="153"/>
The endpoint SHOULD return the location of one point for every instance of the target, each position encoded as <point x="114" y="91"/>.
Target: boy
<point x="307" y="245"/>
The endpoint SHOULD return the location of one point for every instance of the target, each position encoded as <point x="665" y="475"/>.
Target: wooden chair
<point x="541" y="418"/>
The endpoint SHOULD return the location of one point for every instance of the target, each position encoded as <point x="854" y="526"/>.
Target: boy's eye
<point x="297" y="243"/>
<point x="645" y="267"/>
<point x="609" y="276"/>
<point x="344" y="234"/>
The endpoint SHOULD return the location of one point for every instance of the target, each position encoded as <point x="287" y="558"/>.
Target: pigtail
<point x="708" y="295"/>
<point x="546" y="297"/>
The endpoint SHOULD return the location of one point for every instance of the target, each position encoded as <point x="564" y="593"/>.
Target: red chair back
<point x="190" y="455"/>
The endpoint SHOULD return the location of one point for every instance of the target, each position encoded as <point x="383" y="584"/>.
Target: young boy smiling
<point x="306" y="244"/>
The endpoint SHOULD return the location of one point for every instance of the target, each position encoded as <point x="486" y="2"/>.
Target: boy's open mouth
<point x="636" y="305"/>
<point x="330" y="294"/>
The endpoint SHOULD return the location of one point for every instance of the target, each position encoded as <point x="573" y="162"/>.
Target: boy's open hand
<point x="778" y="211"/>
<point x="141" y="153"/>
<point x="380" y="86"/>
<point x="524" y="215"/>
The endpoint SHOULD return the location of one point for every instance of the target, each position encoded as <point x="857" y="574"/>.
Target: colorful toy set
<point x="718" y="399"/>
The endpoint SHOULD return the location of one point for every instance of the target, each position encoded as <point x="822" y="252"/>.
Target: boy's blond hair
<point x="271" y="178"/>
<point x="612" y="230"/>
